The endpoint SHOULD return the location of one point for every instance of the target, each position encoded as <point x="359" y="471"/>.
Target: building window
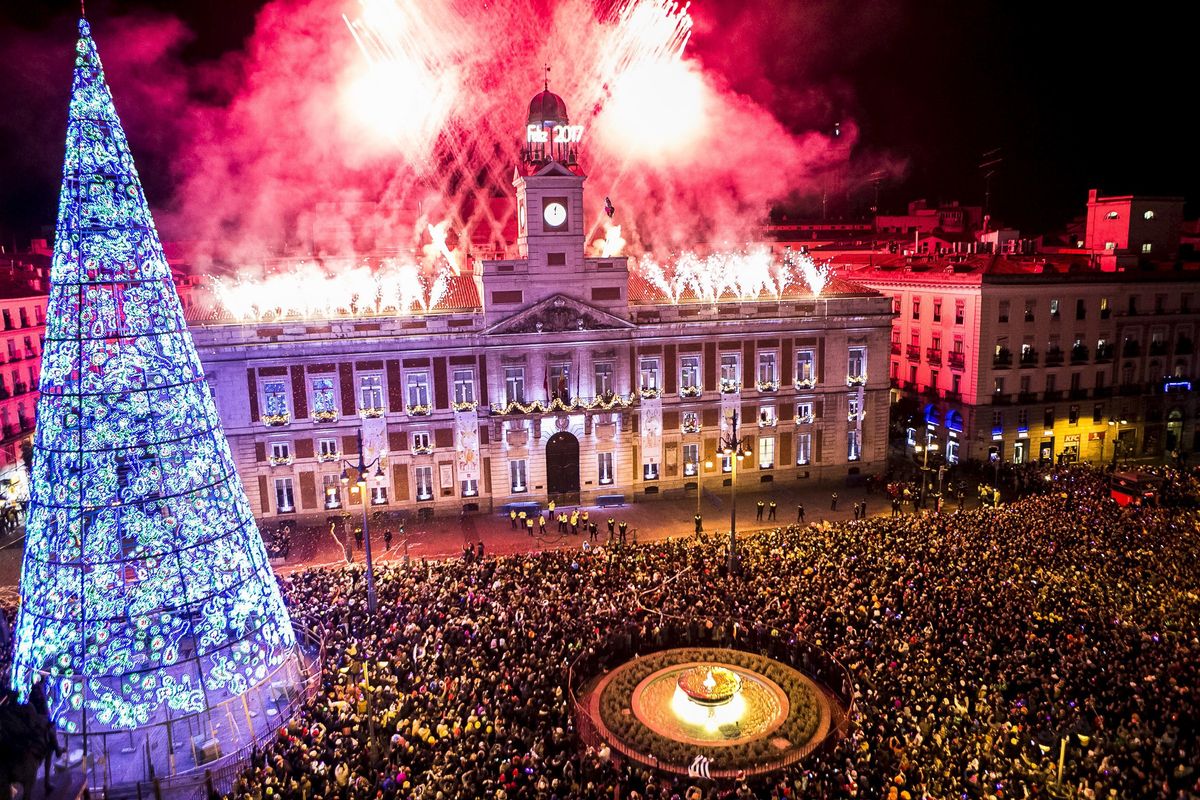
<point x="424" y="477"/>
<point x="1073" y="415"/>
<point x="998" y="386"/>
<point x="464" y="387"/>
<point x="854" y="413"/>
<point x="470" y="487"/>
<point x="804" y="410"/>
<point x="324" y="400"/>
<point x="604" y="468"/>
<point x="602" y="378"/>
<point x="1029" y="307"/>
<point x="853" y="444"/>
<point x="997" y="421"/>
<point x="730" y="378"/>
<point x="1048" y="419"/>
<point x="916" y="308"/>
<point x="1097" y="413"/>
<point x="767" y="416"/>
<point x="649" y="472"/>
<point x="766" y="452"/>
<point x="1104" y="308"/>
<point x="1054" y="309"/>
<point x="418" y="391"/>
<point x="937" y="310"/>
<point x="333" y="491"/>
<point x="379" y="495"/>
<point x="1146" y="247"/>
<point x="768" y="376"/>
<point x="1133" y="304"/>
<point x="1081" y="309"/>
<point x="856" y="365"/>
<point x="952" y="452"/>
<point x="281" y="453"/>
<point x="370" y="393"/>
<point x="514" y="384"/>
<point x="648" y="370"/>
<point x="960" y="307"/>
<point x="689" y="375"/>
<point x="1149" y="215"/>
<point x="691" y="460"/>
<point x="691" y="422"/>
<point x="328" y="450"/>
<point x="1023" y="419"/>
<point x="1112" y="215"/>
<point x="1110" y="246"/>
<point x="1004" y="306"/>
<point x="895" y="305"/>
<point x="421" y="443"/>
<point x="559" y="383"/>
<point x="806" y="374"/>
<point x="284" y="499"/>
<point x="803" y="448"/>
<point x="275" y="401"/>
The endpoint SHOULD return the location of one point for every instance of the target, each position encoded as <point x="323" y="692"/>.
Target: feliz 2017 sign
<point x="559" y="134"/>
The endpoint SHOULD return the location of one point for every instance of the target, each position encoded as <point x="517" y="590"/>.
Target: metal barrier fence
<point x="675" y="632"/>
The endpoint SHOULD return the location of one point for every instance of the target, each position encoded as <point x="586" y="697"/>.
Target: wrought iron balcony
<point x="1079" y="354"/>
<point x="1102" y="392"/>
<point x="1053" y="395"/>
<point x="1078" y="394"/>
<point x="1131" y="349"/>
<point x="1054" y="357"/>
<point x="1002" y="359"/>
<point x="957" y="359"/>
<point x="1029" y="358"/>
<point x="933" y="356"/>
<point x="895" y="348"/>
<point x="1001" y="399"/>
<point x="950" y="394"/>
<point x="1026" y="397"/>
<point x="913" y="352"/>
<point x="1104" y="353"/>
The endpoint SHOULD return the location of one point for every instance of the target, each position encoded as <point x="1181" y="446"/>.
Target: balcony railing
<point x="909" y="386"/>
<point x="1001" y="399"/>
<point x="1130" y="389"/>
<point x="1131" y="349"/>
<point x="895" y="348"/>
<point x="930" y="391"/>
<point x="1079" y="355"/>
<point x="767" y="386"/>
<point x="1102" y="392"/>
<point x="606" y="402"/>
<point x="418" y="410"/>
<point x="957" y="359"/>
<point x="1053" y="395"/>
<point x="276" y="420"/>
<point x="856" y="380"/>
<point x="1029" y="358"/>
<point x="1054" y="358"/>
<point x="689" y="391"/>
<point x="1104" y="353"/>
<point x="1078" y="394"/>
<point x="1026" y="397"/>
<point x="933" y="356"/>
<point x="913" y="352"/>
<point x="20" y="388"/>
<point x="1002" y="359"/>
<point x="324" y="417"/>
<point x="730" y="386"/>
<point x="950" y="394"/>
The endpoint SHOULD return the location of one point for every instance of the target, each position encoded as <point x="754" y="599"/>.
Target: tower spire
<point x="146" y="594"/>
<point x="547" y="77"/>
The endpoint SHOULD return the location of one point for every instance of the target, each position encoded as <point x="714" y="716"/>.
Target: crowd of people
<point x="983" y="644"/>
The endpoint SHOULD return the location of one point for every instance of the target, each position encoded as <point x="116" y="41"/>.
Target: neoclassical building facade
<point x="552" y="375"/>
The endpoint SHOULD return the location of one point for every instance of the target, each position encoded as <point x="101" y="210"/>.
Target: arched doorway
<point x="562" y="464"/>
<point x="1174" y="430"/>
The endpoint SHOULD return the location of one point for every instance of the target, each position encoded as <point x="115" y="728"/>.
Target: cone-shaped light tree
<point x="146" y="594"/>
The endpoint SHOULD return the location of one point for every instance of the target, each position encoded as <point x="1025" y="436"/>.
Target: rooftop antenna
<point x="989" y="166"/>
<point x="547" y="71"/>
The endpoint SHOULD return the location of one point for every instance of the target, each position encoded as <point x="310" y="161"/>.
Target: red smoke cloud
<point x="270" y="151"/>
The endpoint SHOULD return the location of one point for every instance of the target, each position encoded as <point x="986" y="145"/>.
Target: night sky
<point x="1074" y="95"/>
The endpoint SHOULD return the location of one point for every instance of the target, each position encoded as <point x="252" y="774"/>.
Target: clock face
<point x="555" y="214"/>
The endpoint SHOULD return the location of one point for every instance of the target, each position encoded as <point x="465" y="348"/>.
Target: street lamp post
<point x="733" y="446"/>
<point x="929" y="445"/>
<point x="361" y="467"/>
<point x="1115" y="425"/>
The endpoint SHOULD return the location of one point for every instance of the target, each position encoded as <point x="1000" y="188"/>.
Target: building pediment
<point x="559" y="314"/>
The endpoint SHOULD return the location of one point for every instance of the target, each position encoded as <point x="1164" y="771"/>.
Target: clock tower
<point x="551" y="226"/>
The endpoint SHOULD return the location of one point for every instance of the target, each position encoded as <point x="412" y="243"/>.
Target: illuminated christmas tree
<point x="146" y="594"/>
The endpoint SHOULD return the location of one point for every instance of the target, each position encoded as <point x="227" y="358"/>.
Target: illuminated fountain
<point x="709" y="697"/>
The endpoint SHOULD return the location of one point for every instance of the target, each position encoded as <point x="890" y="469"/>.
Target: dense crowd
<point x="981" y="643"/>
